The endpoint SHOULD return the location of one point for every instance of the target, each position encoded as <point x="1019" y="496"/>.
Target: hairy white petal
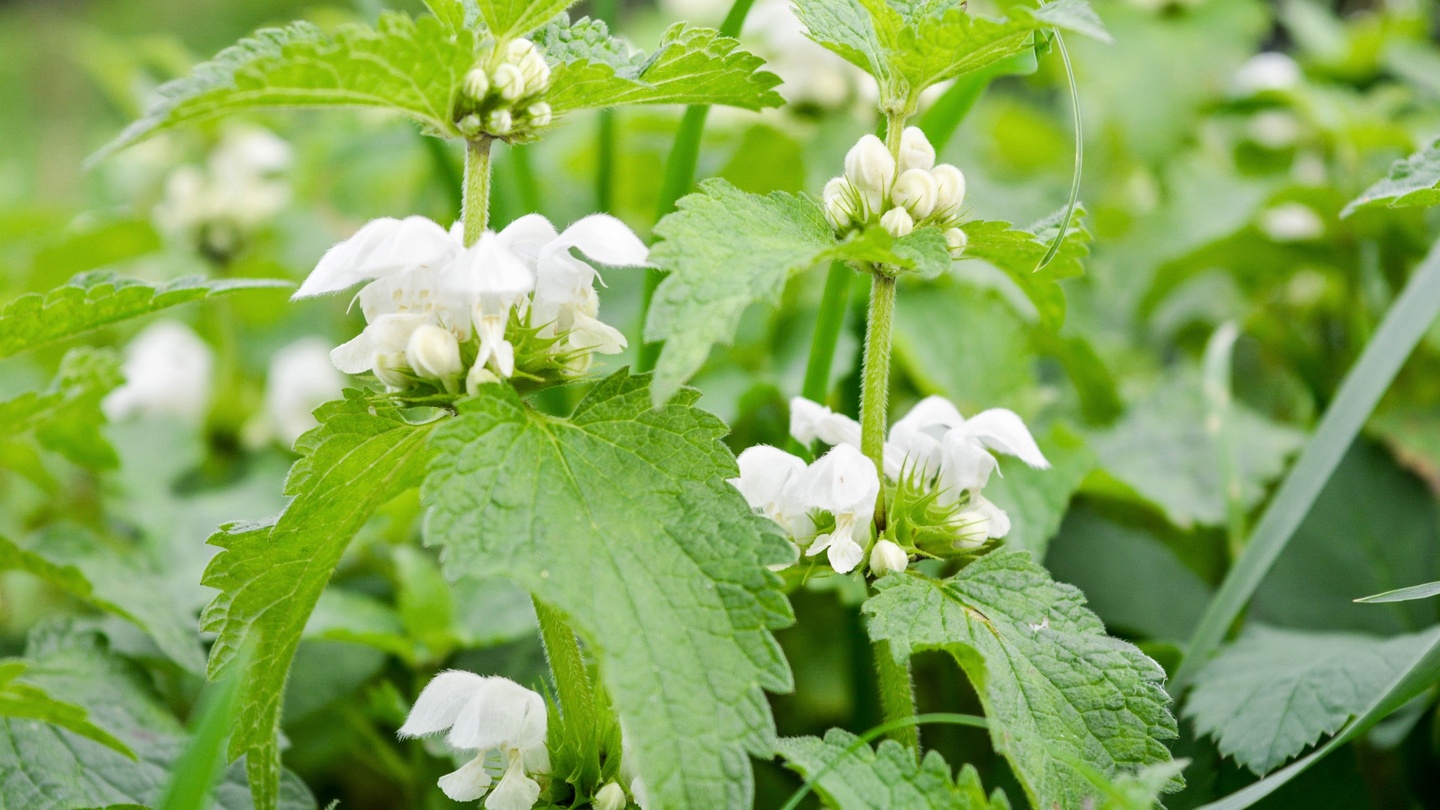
<point x="440" y="702"/>
<point x="1003" y="431"/>
<point x="468" y="783"/>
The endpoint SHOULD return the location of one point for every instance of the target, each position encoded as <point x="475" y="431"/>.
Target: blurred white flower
<point x="485" y="714"/>
<point x="1291" y="222"/>
<point x="241" y="188"/>
<point x="301" y="379"/>
<point x="168" y="372"/>
<point x="1265" y="73"/>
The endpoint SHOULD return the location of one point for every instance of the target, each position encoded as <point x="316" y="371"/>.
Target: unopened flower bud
<point x="470" y="125"/>
<point x="839" y="203"/>
<point x="869" y="165"/>
<point x="500" y="122"/>
<point x="887" y="558"/>
<point x="918" y="191"/>
<point x="477" y="83"/>
<point x="610" y="797"/>
<point x="518" y="49"/>
<point x="898" y="222"/>
<point x="951" y="191"/>
<point x="956" y="240"/>
<point x="390" y="370"/>
<point x="478" y="376"/>
<point x="536" y="73"/>
<point x="539" y="114"/>
<point x="509" y="82"/>
<point x="915" y="151"/>
<point x="433" y="352"/>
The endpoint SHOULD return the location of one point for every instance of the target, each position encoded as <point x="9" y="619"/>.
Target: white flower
<point x="610" y="797"/>
<point x="950" y="189"/>
<point x="810" y="421"/>
<point x="915" y="440"/>
<point x="500" y="122"/>
<point x="1291" y="222"/>
<point x="915" y="151"/>
<point x="898" y="222"/>
<point x="630" y="771"/>
<point x="869" y="166"/>
<point x="434" y="352"/>
<point x="239" y="189"/>
<point x="768" y="479"/>
<point x="168" y="372"/>
<point x="381" y="347"/>
<point x="887" y="558"/>
<point x="404" y="259"/>
<point x="495" y="279"/>
<point x="1266" y="72"/>
<point x="301" y="379"/>
<point x="812" y="74"/>
<point x="966" y="460"/>
<point x="844" y="483"/>
<point x="483" y="715"/>
<point x="916" y="190"/>
<point x="979" y="521"/>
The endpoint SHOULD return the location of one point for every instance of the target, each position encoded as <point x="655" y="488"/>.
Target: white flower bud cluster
<point x="504" y="98"/>
<point x="904" y="193"/>
<point x="442" y="312"/>
<point x="933" y="447"/>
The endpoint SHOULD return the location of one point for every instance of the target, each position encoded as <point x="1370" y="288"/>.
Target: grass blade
<point x="201" y="763"/>
<point x="1409" y="594"/>
<point x="1406" y="322"/>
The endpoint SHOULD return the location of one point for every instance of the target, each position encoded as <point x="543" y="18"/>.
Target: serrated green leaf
<point x="589" y="41"/>
<point x="620" y="519"/>
<point x="1274" y="693"/>
<point x="270" y="575"/>
<point x="510" y="18"/>
<point x="66" y="417"/>
<point x="411" y="66"/>
<point x="1018" y="252"/>
<point x="691" y="66"/>
<point x="44" y="767"/>
<point x="21" y="700"/>
<point x="1163" y="450"/>
<point x="92" y="300"/>
<point x="1411" y="181"/>
<point x="1056" y="689"/>
<point x="887" y="778"/>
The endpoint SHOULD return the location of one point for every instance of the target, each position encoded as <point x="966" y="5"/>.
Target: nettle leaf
<point x="66" y="417"/>
<point x="1411" y="181"/>
<point x="1274" y="693"/>
<point x="271" y="574"/>
<point x="620" y="518"/>
<point x="1163" y="450"/>
<point x="508" y="18"/>
<point x="22" y="700"/>
<point x="411" y="66"/>
<point x="114" y="580"/>
<point x="92" y="300"/>
<point x="587" y="40"/>
<point x="691" y="66"/>
<point x="1060" y="695"/>
<point x="725" y="249"/>
<point x="46" y="767"/>
<point x="1018" y="252"/>
<point x="887" y="778"/>
<point x="908" y="47"/>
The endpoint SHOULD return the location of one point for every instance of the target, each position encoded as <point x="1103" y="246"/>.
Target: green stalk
<point x="476" y="209"/>
<point x="828" y="324"/>
<point x="572" y="686"/>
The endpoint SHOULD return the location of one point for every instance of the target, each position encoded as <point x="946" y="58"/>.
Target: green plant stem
<point x="875" y="376"/>
<point x="897" y="697"/>
<point x="829" y="322"/>
<point x="572" y="684"/>
<point x="476" y="210"/>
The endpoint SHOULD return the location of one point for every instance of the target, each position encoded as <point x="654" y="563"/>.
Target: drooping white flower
<point x="844" y="483"/>
<point x="494" y="279"/>
<point x="915" y="439"/>
<point x="887" y="558"/>
<point x="810" y="421"/>
<point x="404" y="259"/>
<point x="966" y="460"/>
<point x="168" y="372"/>
<point x="380" y="347"/>
<point x="301" y="379"/>
<point x="769" y="479"/>
<point x="485" y="714"/>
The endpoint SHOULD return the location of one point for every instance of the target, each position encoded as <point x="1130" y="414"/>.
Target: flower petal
<point x="441" y="702"/>
<point x="1003" y="431"/>
<point x="516" y="791"/>
<point x="842" y="480"/>
<point x="527" y="235"/>
<point x="765" y="472"/>
<point x="603" y="238"/>
<point x="468" y="783"/>
<point x="503" y="714"/>
<point x="380" y="248"/>
<point x="844" y="554"/>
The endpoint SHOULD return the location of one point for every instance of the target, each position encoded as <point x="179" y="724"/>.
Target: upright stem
<point x="476" y="209"/>
<point x="572" y="685"/>
<point x="827" y="332"/>
<point x="897" y="689"/>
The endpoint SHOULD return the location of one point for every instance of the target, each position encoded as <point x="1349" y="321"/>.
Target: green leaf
<point x="271" y="574"/>
<point x="908" y="47"/>
<point x="1055" y="688"/>
<point x="886" y="778"/>
<point x="691" y="66"/>
<point x="620" y="519"/>
<point x="92" y="300"/>
<point x="45" y="767"/>
<point x="21" y="700"/>
<point x="1036" y="500"/>
<point x="587" y="40"/>
<point x="1274" y="693"/>
<point x="1164" y="450"/>
<point x="1411" y="181"/>
<point x="1018" y="252"/>
<point x="1404" y="325"/>
<point x="66" y="418"/>
<point x="510" y="18"/>
<point x="1413" y="592"/>
<point x="411" y="66"/>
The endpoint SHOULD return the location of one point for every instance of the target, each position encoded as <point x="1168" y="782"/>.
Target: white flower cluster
<point x="485" y="715"/>
<point x="432" y="304"/>
<point x="241" y="187"/>
<point x="904" y="193"/>
<point x="505" y="95"/>
<point x="169" y="372"/>
<point x="933" y="446"/>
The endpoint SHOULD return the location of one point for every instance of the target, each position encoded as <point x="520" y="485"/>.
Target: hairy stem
<point x="897" y="696"/>
<point x="476" y="209"/>
<point x="572" y="685"/>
